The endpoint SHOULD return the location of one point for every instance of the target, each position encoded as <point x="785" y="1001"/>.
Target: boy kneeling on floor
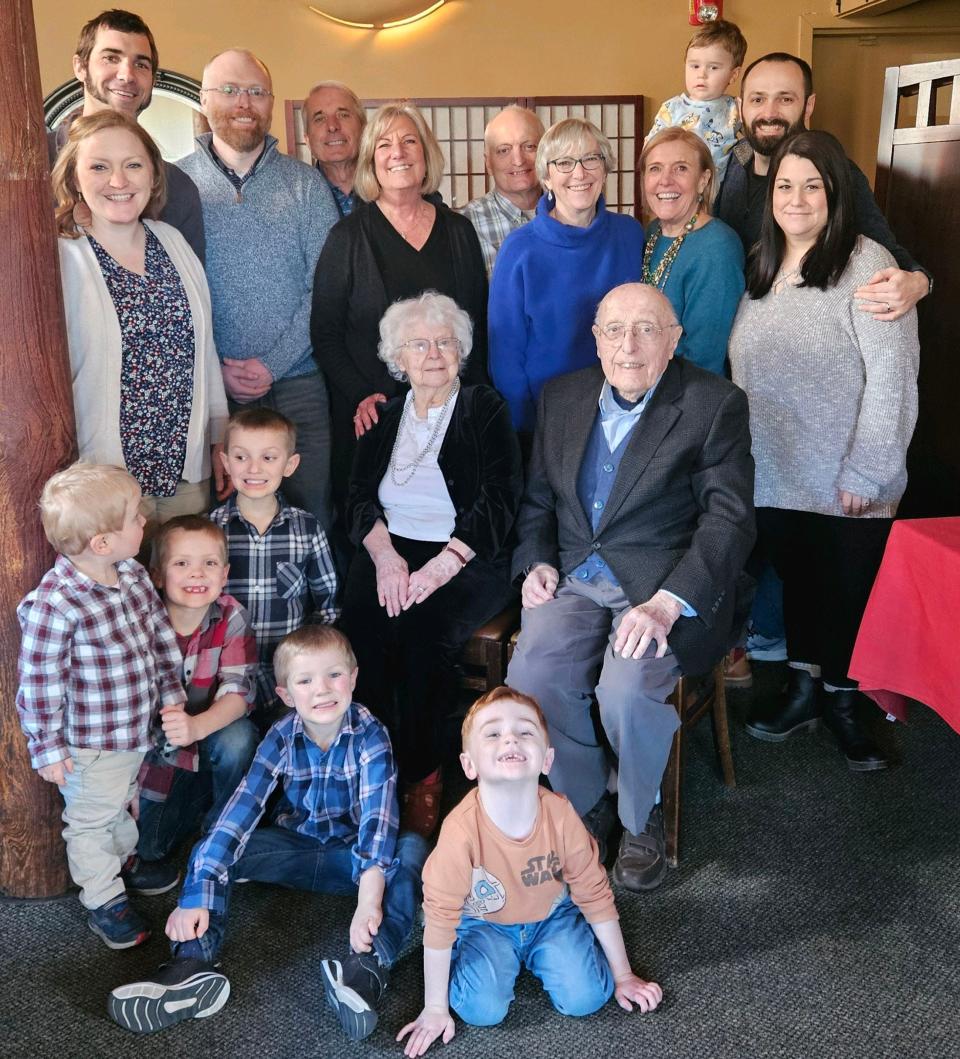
<point x="345" y="844"/>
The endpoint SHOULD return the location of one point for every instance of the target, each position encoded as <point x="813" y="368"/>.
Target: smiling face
<point x="118" y="74"/>
<point x="506" y="744"/>
<point x="332" y="126"/>
<point x="577" y="192"/>
<point x="434" y="368"/>
<point x="633" y="362"/>
<point x="398" y="158"/>
<point x="240" y="121"/>
<point x="114" y="176"/>
<point x="511" y="151"/>
<point x="194" y="569"/>
<point x="709" y="71"/>
<point x="673" y="181"/>
<point x="799" y="200"/>
<point x="320" y="687"/>
<point x="773" y="105"/>
<point x="258" y="461"/>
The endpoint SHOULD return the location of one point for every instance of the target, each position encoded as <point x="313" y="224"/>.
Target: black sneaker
<point x="353" y="989"/>
<point x="117" y="924"/>
<point x="599" y="821"/>
<point x="149" y="877"/>
<point x="184" y="989"/>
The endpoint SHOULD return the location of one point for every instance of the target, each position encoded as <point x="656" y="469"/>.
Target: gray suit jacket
<point x="680" y="516"/>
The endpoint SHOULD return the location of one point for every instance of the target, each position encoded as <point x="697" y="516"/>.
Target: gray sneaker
<point x="184" y="989"/>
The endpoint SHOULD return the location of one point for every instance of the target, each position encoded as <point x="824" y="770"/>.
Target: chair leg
<point x="671" y="783"/>
<point x="495" y="662"/>
<point x="721" y="728"/>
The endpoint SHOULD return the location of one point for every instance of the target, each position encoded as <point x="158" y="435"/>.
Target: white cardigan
<point x="93" y="334"/>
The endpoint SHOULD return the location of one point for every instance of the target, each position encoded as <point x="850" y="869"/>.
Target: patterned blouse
<point x="156" y="374"/>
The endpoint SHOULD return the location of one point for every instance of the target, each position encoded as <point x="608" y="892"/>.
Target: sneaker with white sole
<point x="353" y="989"/>
<point x="117" y="924"/>
<point x="187" y="988"/>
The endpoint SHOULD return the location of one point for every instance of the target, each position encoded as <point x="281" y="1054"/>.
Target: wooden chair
<point x="692" y="698"/>
<point x="484" y="659"/>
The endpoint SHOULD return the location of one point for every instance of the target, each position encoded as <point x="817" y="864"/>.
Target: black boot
<point x="840" y="717"/>
<point x="800" y="709"/>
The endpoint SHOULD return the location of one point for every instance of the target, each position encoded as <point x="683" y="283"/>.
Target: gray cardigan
<point x="832" y="391"/>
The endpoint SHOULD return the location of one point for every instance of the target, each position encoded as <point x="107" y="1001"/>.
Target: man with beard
<point x="267" y="216"/>
<point x="776" y="100"/>
<point x="116" y="62"/>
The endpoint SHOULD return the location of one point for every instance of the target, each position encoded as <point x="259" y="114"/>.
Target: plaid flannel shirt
<point x="284" y="577"/>
<point x="96" y="662"/>
<point x="494" y="217"/>
<point x="345" y="795"/>
<point x="219" y="658"/>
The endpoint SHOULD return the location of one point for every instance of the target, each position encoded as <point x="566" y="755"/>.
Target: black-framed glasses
<point x="253" y="91"/>
<point x="590" y="162"/>
<point x="645" y="332"/>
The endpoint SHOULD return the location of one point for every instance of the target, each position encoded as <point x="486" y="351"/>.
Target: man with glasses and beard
<point x="776" y="100"/>
<point x="116" y="61"/>
<point x="266" y="216"/>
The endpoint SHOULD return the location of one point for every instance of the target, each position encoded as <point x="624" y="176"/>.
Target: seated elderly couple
<point x="628" y="546"/>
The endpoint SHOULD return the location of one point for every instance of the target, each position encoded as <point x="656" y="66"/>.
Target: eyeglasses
<point x="643" y="331"/>
<point x="254" y="91"/>
<point x="421" y="346"/>
<point x="567" y="165"/>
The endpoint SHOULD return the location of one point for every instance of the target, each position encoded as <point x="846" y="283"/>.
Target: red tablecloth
<point x="907" y="647"/>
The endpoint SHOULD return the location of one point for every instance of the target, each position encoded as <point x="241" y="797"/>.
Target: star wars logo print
<point x="487" y="894"/>
<point x="541" y="870"/>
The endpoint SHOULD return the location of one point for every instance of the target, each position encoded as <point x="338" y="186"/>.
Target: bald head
<point x="239" y="121"/>
<point x="229" y="60"/>
<point x="510" y="146"/>
<point x="637" y="332"/>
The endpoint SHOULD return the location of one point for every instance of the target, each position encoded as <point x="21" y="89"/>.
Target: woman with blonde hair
<point x="399" y="241"/>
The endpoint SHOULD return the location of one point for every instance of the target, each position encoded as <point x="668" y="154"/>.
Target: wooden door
<point x="918" y="188"/>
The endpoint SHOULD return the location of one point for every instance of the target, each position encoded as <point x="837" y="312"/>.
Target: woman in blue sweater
<point x="696" y="260"/>
<point x="551" y="274"/>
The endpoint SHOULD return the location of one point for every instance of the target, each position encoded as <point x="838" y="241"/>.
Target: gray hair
<point x="429" y="308"/>
<point x="570" y="137"/>
<point x="355" y="103"/>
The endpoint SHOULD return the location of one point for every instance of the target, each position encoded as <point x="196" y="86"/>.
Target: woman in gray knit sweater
<point x="833" y="402"/>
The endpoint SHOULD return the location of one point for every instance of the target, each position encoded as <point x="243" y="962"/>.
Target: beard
<point x="241" y="138"/>
<point x="766" y="144"/>
<point x="101" y="96"/>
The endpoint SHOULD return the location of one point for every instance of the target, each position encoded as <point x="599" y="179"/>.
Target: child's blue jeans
<point x="301" y="862"/>
<point x="225" y="756"/>
<point x="561" y="950"/>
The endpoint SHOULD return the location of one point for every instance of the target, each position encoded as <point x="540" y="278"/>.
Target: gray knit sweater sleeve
<point x="832" y="391"/>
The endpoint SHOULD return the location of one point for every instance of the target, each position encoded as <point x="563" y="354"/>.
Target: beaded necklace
<point x="397" y="469"/>
<point x="659" y="276"/>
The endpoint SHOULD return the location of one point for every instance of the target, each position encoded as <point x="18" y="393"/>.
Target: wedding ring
<point x="887" y="304"/>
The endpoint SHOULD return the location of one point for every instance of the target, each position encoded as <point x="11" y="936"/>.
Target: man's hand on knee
<point x="185" y="924"/>
<point x="539" y="586"/>
<point x="645" y="623"/>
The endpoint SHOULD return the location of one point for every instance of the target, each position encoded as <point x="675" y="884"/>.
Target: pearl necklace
<point x="397" y="469"/>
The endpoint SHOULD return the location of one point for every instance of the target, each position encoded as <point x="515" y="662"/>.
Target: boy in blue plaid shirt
<point x="326" y="747"/>
<point x="281" y="566"/>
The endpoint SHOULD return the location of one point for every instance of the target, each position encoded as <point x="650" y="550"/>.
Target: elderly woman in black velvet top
<point x="435" y="489"/>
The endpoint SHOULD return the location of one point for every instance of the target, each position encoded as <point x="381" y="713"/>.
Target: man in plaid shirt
<point x="332" y="830"/>
<point x="98" y="658"/>
<point x="281" y="566"/>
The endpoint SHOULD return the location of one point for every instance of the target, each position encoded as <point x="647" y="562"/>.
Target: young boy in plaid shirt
<point x="281" y="566"/>
<point x="332" y="830"/>
<point x="205" y="748"/>
<point x="98" y="658"/>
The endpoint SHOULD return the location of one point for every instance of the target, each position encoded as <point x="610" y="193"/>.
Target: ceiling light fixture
<point x="385" y="22"/>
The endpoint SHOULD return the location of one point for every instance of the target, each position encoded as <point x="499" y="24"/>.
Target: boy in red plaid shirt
<point x="206" y="747"/>
<point x="98" y="658"/>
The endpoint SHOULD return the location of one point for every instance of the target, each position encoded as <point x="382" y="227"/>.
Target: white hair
<point x="430" y="308"/>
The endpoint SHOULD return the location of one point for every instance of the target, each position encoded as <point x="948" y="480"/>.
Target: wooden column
<point x="36" y="437"/>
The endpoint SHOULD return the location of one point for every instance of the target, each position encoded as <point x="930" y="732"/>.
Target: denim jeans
<point x="561" y="950"/>
<point x="301" y="862"/>
<point x="224" y="758"/>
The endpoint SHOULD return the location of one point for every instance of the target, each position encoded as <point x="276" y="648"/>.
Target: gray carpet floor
<point x="815" y="913"/>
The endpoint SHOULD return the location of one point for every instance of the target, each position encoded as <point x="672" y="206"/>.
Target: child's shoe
<point x="353" y="989"/>
<point x="118" y="924"/>
<point x="149" y="877"/>
<point x="187" y="988"/>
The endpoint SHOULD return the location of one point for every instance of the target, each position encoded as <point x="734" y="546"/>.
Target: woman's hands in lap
<point x="392" y="581"/>
<point x="434" y="574"/>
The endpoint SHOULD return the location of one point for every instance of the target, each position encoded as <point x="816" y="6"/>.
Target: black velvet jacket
<point x="480" y="460"/>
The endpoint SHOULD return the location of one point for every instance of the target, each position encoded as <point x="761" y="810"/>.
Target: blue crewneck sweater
<point x="262" y="250"/>
<point x="548" y="279"/>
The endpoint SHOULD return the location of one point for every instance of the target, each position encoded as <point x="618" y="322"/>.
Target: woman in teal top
<point x="695" y="259"/>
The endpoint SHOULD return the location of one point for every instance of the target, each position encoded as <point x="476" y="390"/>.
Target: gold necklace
<point x="659" y="276"/>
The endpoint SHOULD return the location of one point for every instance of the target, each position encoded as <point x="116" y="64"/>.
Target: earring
<point x="82" y="217"/>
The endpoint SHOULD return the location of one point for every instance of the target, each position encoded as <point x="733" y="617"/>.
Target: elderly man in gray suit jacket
<point x="636" y="523"/>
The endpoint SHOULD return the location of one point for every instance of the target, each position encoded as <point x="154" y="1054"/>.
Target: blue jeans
<point x="224" y="758"/>
<point x="766" y="617"/>
<point x="301" y="862"/>
<point x="561" y="950"/>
